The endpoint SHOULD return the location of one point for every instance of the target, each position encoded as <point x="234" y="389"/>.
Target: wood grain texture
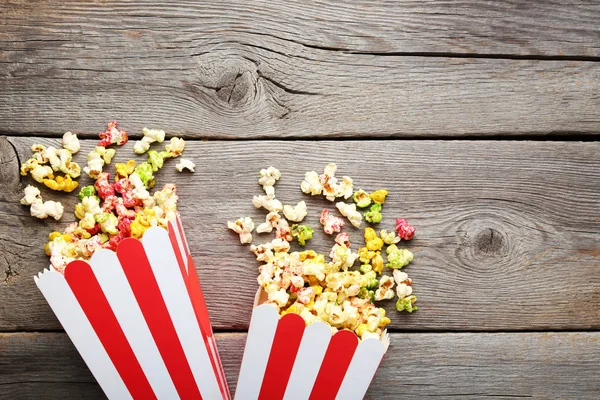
<point x="417" y="366"/>
<point x="249" y="70"/>
<point x="508" y="233"/>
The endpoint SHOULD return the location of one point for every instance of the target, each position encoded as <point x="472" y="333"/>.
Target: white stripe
<point x="256" y="354"/>
<point x="185" y="242"/>
<point x="115" y="286"/>
<point x="174" y="291"/>
<point x="361" y="370"/>
<point x="308" y="361"/>
<point x="213" y="351"/>
<point x="63" y="302"/>
<point x="180" y="245"/>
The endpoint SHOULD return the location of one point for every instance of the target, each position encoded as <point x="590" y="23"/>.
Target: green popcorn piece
<point x="373" y="284"/>
<point x="398" y="258"/>
<point x="363" y="293"/>
<point x="87" y="191"/>
<point x="144" y="171"/>
<point x="302" y="233"/>
<point x="165" y="154"/>
<point x="407" y="304"/>
<point x="108" y="223"/>
<point x="374" y="214"/>
<point x="155" y="160"/>
<point x="365" y="268"/>
<point x="362" y="198"/>
<point x="108" y="155"/>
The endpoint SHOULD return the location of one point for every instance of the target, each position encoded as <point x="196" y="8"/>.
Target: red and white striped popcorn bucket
<point x="285" y="359"/>
<point x="139" y="320"/>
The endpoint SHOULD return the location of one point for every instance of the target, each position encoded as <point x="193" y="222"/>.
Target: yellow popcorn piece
<point x="378" y="196"/>
<point x="377" y="263"/>
<point x="123" y="170"/>
<point x="373" y="242"/>
<point x="62" y="184"/>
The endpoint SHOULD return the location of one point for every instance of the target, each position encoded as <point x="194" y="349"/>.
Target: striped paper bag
<point x="285" y="359"/>
<point x="138" y="318"/>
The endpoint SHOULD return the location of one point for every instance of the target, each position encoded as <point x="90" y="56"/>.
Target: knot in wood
<point x="232" y="78"/>
<point x="484" y="242"/>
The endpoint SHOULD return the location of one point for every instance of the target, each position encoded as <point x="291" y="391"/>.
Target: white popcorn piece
<point x="96" y="160"/>
<point x="243" y="227"/>
<point x="280" y="245"/>
<point x="349" y="211"/>
<point x="342" y="256"/>
<point x="385" y="292"/>
<point x="156" y="135"/>
<point x="311" y="184"/>
<point x="268" y="177"/>
<point x="42" y="210"/>
<point x="41" y="172"/>
<point x="185" y="163"/>
<point x="345" y="189"/>
<point x="176" y="146"/>
<point x="297" y="213"/>
<point x="271" y="222"/>
<point x="31" y="194"/>
<point x="150" y="136"/>
<point x="263" y="252"/>
<point x="269" y="203"/>
<point x="142" y="146"/>
<point x="71" y="142"/>
<point x="404" y="284"/>
<point x="139" y="189"/>
<point x="389" y="237"/>
<point x="277" y="296"/>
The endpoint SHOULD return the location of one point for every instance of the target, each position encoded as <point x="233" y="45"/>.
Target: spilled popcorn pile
<point x="330" y="291"/>
<point x="109" y="211"/>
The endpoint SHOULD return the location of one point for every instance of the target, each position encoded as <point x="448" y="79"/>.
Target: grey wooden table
<point x="481" y="118"/>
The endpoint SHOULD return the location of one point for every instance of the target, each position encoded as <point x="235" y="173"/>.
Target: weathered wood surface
<point x="279" y="70"/>
<point x="508" y="233"/>
<point x="417" y="365"/>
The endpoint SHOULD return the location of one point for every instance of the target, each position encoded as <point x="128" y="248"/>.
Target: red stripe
<point x="147" y="293"/>
<point x="89" y="294"/>
<point x="335" y="364"/>
<point x="283" y="354"/>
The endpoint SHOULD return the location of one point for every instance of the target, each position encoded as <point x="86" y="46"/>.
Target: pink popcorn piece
<point x="113" y="135"/>
<point x="343" y="239"/>
<point x="331" y="223"/>
<point x="405" y="231"/>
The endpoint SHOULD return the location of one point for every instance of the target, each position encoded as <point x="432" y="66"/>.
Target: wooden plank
<point x="275" y="70"/>
<point x="417" y="365"/>
<point x="525" y="28"/>
<point x="507" y="232"/>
